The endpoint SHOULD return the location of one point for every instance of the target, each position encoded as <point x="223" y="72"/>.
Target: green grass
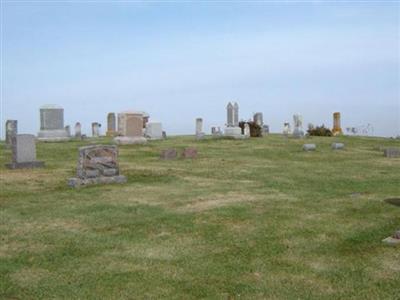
<point x="248" y="219"/>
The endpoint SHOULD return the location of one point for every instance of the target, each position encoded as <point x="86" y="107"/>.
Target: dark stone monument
<point x="97" y="164"/>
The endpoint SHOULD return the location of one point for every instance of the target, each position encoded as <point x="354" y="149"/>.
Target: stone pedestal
<point x="52" y="124"/>
<point x="234" y="132"/>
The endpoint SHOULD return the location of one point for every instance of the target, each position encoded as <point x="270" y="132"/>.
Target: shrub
<point x="319" y="131"/>
<point x="255" y="129"/>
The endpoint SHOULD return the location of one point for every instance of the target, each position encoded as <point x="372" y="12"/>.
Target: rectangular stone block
<point x="392" y="152"/>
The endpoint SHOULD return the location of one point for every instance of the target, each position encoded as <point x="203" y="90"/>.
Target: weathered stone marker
<point x="130" y="128"/>
<point x="11" y="130"/>
<point x="52" y="124"/>
<point x="154" y="130"/>
<point x="199" y="128"/>
<point x="78" y="130"/>
<point x="96" y="129"/>
<point x="298" y="126"/>
<point x="337" y="146"/>
<point x="168" y="154"/>
<point x="393" y="240"/>
<point x="309" y="147"/>
<point x="232" y="128"/>
<point x="111" y="125"/>
<point x="337" y="129"/>
<point x="391" y="152"/>
<point x="97" y="164"/>
<point x="189" y="153"/>
<point x="24" y="152"/>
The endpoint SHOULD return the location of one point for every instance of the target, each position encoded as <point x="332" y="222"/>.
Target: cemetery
<point x="239" y="211"/>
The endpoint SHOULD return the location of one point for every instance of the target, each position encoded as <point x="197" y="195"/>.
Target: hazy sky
<point x="179" y="61"/>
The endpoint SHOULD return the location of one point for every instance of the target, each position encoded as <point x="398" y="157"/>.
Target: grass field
<point x="255" y="219"/>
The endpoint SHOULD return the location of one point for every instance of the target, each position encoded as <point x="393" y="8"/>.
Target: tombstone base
<point x="79" y="182"/>
<point x="25" y="165"/>
<point x="234" y="132"/>
<point x="126" y="140"/>
<point x="58" y="135"/>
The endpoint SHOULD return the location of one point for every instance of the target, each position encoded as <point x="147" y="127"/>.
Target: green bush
<point x="319" y="131"/>
<point x="255" y="129"/>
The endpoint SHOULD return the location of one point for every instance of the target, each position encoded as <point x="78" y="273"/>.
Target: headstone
<point x="164" y="134"/>
<point x="265" y="129"/>
<point x="24" y="152"/>
<point x="11" y="130"/>
<point x="78" y="130"/>
<point x="391" y="152"/>
<point x="68" y="130"/>
<point x="258" y="119"/>
<point x="130" y="127"/>
<point x="189" y="153"/>
<point x="309" y="147"/>
<point x="52" y="124"/>
<point x="168" y="154"/>
<point x="96" y="129"/>
<point x="97" y="164"/>
<point x="286" y="129"/>
<point x="337" y="146"/>
<point x="111" y="124"/>
<point x="298" y="126"/>
<point x="216" y="131"/>
<point x="247" y="130"/>
<point x="199" y="128"/>
<point x="232" y="128"/>
<point x="337" y="129"/>
<point x="154" y="130"/>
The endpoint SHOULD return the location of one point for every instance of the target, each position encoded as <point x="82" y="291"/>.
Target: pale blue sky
<point x="179" y="61"/>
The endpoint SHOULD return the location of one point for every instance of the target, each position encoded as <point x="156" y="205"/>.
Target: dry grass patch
<point x="28" y="277"/>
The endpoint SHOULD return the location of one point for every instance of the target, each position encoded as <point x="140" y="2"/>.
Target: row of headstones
<point x="232" y="128"/>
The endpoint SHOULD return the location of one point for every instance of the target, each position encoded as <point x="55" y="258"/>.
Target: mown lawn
<point x="255" y="219"/>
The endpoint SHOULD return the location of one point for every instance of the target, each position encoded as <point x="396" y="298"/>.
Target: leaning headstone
<point x="391" y="152"/>
<point x="199" y="128"/>
<point x="24" y="152"/>
<point x="309" y="147"/>
<point x="11" y="130"/>
<point x="154" y="130"/>
<point x="168" y="154"/>
<point x="52" y="124"/>
<point x="97" y="164"/>
<point x="78" y="130"/>
<point x="96" y="129"/>
<point x="298" y="126"/>
<point x="337" y="146"/>
<point x="189" y="153"/>
<point x="111" y="125"/>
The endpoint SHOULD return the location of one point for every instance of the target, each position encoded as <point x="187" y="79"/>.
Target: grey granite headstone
<point x="258" y="119"/>
<point x="78" y="130"/>
<point x="337" y="146"/>
<point x="52" y="124"/>
<point x="392" y="152"/>
<point x="199" y="128"/>
<point x="24" y="152"/>
<point x="11" y="130"/>
<point x="298" y="126"/>
<point x="97" y="164"/>
<point x="309" y="147"/>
